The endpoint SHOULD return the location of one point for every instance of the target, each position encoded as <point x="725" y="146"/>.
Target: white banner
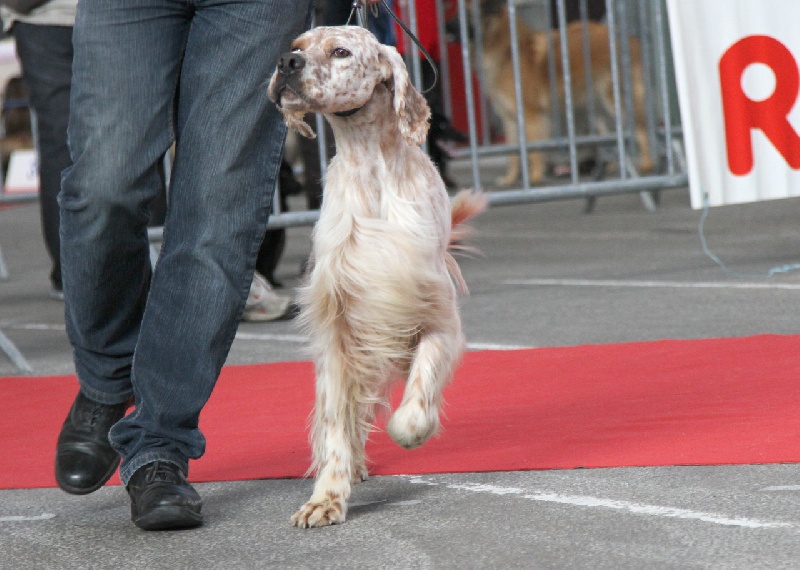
<point x="737" y="67"/>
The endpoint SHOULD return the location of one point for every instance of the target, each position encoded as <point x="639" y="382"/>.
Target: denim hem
<point x="104" y="397"/>
<point x="130" y="467"/>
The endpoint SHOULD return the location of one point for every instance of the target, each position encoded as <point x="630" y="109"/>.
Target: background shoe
<point x="85" y="459"/>
<point x="162" y="498"/>
<point x="263" y="303"/>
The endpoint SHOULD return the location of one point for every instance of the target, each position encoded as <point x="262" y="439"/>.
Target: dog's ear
<point x="410" y="106"/>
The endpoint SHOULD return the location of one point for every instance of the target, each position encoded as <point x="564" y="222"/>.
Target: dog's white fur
<point x="380" y="299"/>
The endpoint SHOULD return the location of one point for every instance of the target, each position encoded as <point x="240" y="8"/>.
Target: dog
<point x="380" y="294"/>
<point x="535" y="79"/>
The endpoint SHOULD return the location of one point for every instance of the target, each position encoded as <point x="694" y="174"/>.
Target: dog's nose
<point x="291" y="62"/>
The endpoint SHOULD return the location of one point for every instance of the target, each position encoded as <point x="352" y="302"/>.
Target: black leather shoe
<point x="85" y="459"/>
<point x="162" y="498"/>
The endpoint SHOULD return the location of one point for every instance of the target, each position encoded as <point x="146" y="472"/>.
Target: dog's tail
<point x="465" y="205"/>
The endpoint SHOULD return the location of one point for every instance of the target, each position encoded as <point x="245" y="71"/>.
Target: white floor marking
<point x="782" y="488"/>
<point x="301" y="339"/>
<point x="42" y="517"/>
<point x="408" y="503"/>
<point x="655" y="510"/>
<point x="35" y="327"/>
<point x="598" y="502"/>
<point x="295" y="338"/>
<point x="493" y="346"/>
<point x="491" y="489"/>
<point x="650" y="284"/>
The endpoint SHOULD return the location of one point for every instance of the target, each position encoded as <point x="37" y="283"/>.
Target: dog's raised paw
<point x="410" y="425"/>
<point x="320" y="513"/>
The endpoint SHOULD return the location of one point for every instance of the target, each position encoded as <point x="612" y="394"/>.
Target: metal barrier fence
<point x="623" y="88"/>
<point x="578" y="94"/>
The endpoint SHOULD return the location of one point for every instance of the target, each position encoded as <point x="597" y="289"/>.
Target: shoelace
<point x="92" y="416"/>
<point x="161" y="471"/>
<point x="97" y="413"/>
<point x="96" y="409"/>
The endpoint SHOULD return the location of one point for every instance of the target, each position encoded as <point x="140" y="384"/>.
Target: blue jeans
<point x="45" y="53"/>
<point x="147" y="72"/>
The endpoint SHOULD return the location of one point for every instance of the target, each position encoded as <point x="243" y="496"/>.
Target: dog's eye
<point x="296" y="50"/>
<point x="341" y="52"/>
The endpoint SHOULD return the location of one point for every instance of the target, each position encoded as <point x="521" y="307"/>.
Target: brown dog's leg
<point x="512" y="168"/>
<point x="537" y="128"/>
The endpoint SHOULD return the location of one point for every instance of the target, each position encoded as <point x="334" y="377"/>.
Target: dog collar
<point x="348" y="113"/>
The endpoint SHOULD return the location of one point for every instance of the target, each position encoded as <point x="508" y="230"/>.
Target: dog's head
<point x="335" y="70"/>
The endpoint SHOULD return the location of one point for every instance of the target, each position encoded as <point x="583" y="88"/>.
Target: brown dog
<point x="535" y="78"/>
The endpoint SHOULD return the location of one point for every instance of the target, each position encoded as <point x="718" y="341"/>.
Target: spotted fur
<point x="380" y="297"/>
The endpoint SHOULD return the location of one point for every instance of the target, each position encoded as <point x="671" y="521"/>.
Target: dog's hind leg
<point x="537" y="128"/>
<point x="512" y="166"/>
<point x="642" y="140"/>
<point x="417" y="417"/>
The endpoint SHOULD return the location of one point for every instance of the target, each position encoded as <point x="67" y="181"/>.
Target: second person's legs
<point x="45" y="53"/>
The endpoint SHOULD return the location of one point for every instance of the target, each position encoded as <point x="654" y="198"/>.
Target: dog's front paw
<point x="410" y="426"/>
<point x="328" y="511"/>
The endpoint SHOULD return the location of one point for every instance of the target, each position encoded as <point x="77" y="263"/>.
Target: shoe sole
<point x="86" y="490"/>
<point x="168" y="518"/>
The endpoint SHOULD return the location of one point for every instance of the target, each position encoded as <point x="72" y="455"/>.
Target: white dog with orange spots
<point x="380" y="299"/>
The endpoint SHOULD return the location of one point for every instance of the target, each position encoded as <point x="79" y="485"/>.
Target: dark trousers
<point x="45" y="53"/>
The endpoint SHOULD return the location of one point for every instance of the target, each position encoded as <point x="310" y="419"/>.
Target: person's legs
<point x="126" y="66"/>
<point x="125" y="73"/>
<point x="45" y="53"/>
<point x="229" y="143"/>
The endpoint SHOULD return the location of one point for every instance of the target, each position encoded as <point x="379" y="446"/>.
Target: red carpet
<point x="718" y="401"/>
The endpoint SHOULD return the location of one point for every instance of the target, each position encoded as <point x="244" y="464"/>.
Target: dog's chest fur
<point x="377" y="248"/>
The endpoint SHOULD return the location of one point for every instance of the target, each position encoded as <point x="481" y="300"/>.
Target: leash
<point x="359" y="4"/>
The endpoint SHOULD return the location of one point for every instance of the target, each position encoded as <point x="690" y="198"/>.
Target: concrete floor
<point x="550" y="275"/>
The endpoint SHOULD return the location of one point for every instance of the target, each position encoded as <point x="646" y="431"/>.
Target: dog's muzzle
<point x="289" y="65"/>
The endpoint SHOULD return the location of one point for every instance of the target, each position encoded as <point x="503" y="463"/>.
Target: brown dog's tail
<point x="465" y="205"/>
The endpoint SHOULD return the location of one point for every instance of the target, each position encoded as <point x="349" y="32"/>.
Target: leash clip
<point x="360" y="7"/>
